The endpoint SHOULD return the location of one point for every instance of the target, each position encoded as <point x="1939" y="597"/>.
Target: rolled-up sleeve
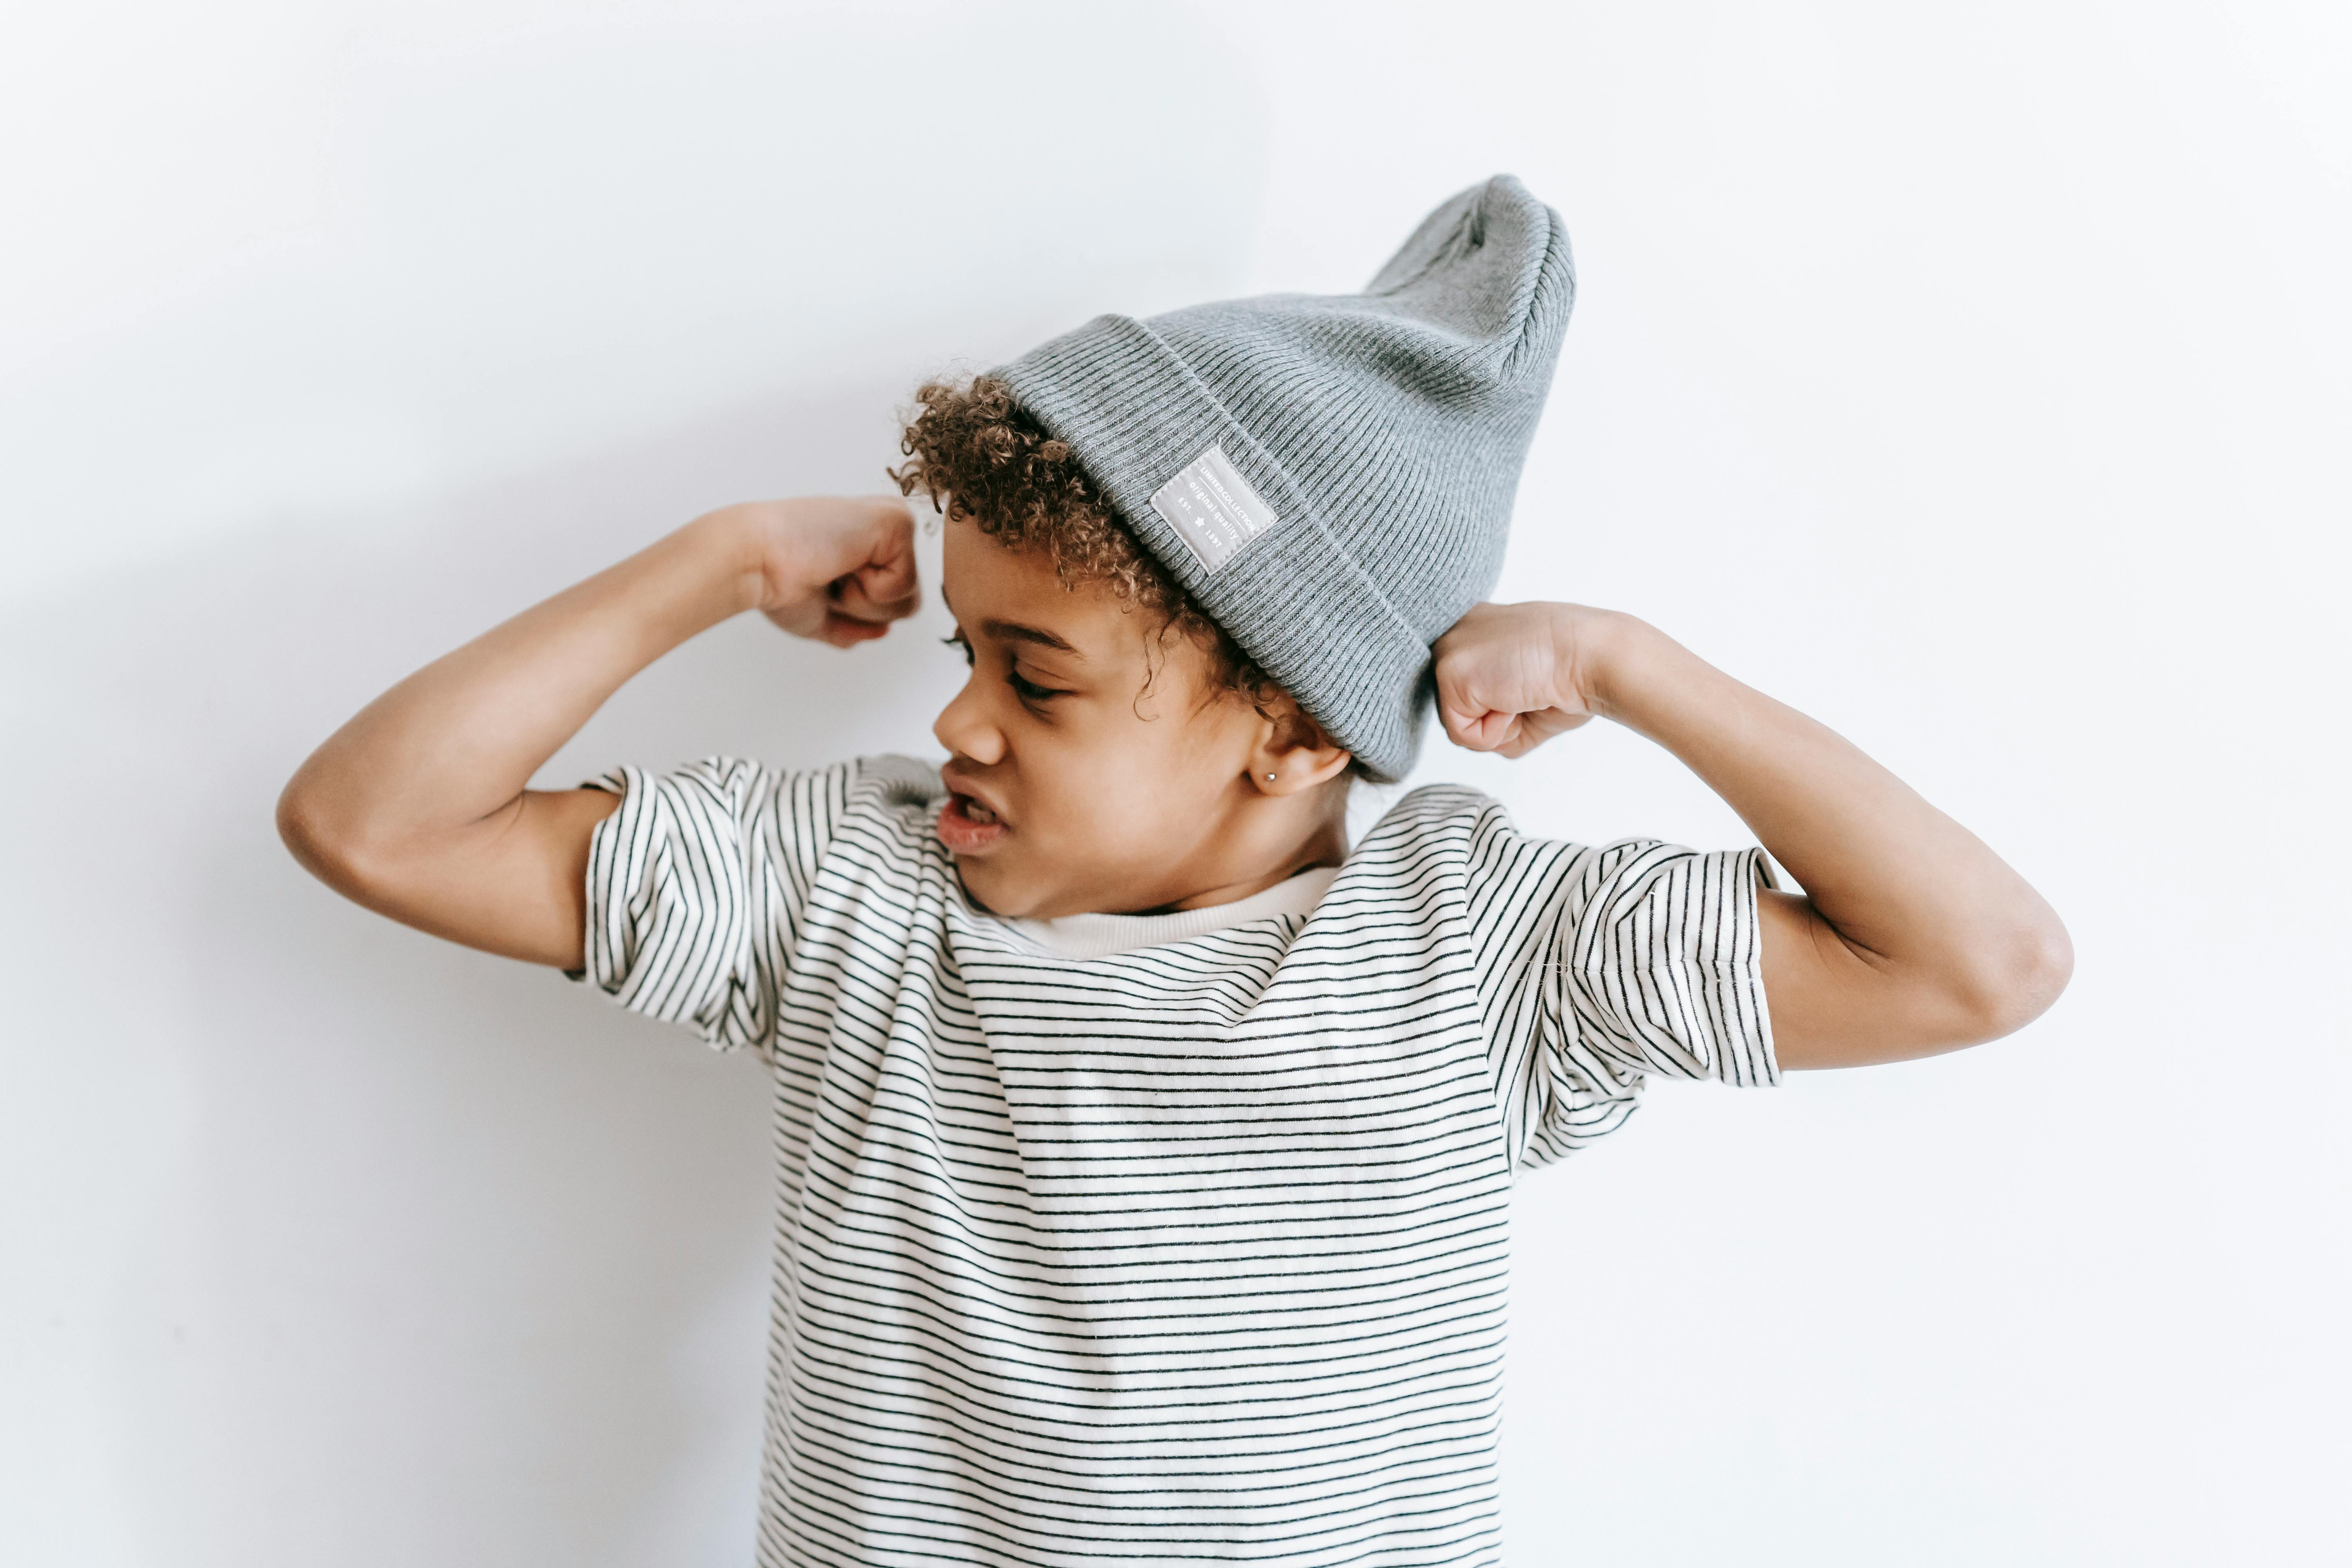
<point x="1664" y="967"/>
<point x="1602" y="966"/>
<point x="693" y="887"/>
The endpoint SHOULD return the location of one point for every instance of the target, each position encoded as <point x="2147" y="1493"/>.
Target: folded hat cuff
<point x="1291" y="598"/>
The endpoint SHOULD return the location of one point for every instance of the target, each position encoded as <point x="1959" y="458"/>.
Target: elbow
<point x="304" y="828"/>
<point x="319" y="838"/>
<point x="2017" y="976"/>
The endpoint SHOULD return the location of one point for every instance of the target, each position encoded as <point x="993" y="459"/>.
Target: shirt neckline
<point x="1099" y="936"/>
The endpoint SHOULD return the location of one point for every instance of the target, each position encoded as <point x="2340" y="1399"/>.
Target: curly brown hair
<point x="972" y="450"/>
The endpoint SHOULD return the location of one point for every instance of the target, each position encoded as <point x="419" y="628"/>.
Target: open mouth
<point x="967" y="826"/>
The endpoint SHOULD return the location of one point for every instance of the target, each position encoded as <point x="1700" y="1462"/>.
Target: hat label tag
<point x="1211" y="508"/>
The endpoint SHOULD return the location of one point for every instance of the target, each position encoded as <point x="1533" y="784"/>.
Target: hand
<point x="1510" y="677"/>
<point x="839" y="569"/>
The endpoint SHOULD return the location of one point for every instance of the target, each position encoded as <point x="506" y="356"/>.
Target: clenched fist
<point x="839" y="569"/>
<point x="1510" y="677"/>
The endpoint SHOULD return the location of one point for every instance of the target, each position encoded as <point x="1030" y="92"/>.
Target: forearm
<point x="1954" y="942"/>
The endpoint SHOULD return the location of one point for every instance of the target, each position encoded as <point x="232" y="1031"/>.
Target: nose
<point x="963" y="728"/>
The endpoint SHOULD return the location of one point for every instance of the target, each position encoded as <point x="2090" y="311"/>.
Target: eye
<point x="1029" y="690"/>
<point x="957" y="639"/>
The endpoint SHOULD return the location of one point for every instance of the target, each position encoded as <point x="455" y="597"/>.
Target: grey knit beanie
<point x="1330" y="477"/>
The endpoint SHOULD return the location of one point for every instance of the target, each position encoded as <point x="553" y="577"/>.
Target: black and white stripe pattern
<point x="1197" y="1252"/>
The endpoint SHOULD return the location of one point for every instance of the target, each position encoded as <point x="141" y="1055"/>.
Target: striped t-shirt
<point x="1195" y="1252"/>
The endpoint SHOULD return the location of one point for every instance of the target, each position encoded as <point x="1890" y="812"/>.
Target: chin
<point x="998" y="890"/>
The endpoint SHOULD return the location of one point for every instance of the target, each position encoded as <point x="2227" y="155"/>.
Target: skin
<point x="1122" y="778"/>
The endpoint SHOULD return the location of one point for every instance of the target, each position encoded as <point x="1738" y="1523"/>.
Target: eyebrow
<point x="1013" y="631"/>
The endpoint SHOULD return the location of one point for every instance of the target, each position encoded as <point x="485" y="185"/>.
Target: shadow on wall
<point x="435" y="1258"/>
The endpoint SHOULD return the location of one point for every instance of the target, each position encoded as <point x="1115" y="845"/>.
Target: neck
<point x="1276" y="846"/>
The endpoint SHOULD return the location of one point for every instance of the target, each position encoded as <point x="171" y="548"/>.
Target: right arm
<point x="1911" y="937"/>
<point x="418" y="807"/>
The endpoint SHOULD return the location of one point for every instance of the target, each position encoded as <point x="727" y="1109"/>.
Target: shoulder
<point x="1466" y="837"/>
<point x="884" y="820"/>
<point x="1429" y="836"/>
<point x="888" y="783"/>
<point x="894" y="794"/>
<point x="1433" y="808"/>
<point x="894" y="784"/>
<point x="739" y="800"/>
<point x="1441" y="821"/>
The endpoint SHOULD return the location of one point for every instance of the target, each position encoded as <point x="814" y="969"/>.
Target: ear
<point x="1293" y="754"/>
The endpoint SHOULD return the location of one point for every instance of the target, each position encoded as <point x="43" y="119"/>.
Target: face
<point x="1093" y="765"/>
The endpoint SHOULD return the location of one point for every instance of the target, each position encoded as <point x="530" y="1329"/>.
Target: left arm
<point x="1912" y="936"/>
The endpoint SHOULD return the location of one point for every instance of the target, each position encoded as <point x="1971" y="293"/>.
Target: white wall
<point x="1972" y="376"/>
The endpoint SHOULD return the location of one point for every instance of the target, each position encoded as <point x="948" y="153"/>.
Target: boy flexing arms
<point x="1144" y="1149"/>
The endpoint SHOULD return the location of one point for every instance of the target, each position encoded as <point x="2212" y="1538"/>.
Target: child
<point x="1144" y="1151"/>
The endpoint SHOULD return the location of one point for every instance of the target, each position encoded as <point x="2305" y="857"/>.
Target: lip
<point x="961" y="783"/>
<point x="960" y="833"/>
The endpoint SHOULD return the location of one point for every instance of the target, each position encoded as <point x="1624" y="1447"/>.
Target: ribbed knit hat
<point x="1330" y="477"/>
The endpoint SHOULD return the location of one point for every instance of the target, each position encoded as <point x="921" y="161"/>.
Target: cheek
<point x="1149" y="778"/>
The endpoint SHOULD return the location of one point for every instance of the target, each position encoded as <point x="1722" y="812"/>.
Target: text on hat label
<point x="1211" y="508"/>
